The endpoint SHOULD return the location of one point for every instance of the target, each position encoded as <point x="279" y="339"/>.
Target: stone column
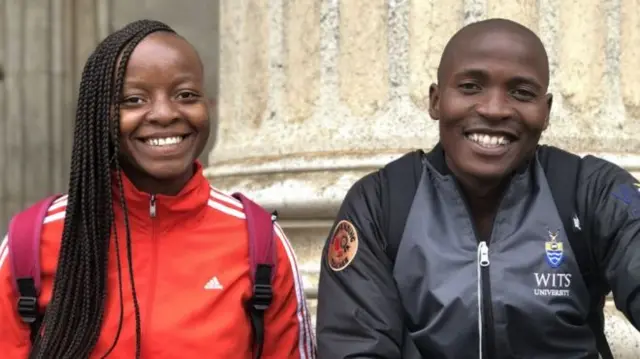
<point x="38" y="57"/>
<point x="315" y="94"/>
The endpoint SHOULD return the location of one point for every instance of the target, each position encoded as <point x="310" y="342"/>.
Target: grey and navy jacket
<point x="431" y="300"/>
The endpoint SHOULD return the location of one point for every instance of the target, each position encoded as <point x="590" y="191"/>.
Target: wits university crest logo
<point x="554" y="250"/>
<point x="553" y="283"/>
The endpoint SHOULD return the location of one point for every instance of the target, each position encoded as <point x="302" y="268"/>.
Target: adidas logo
<point x="213" y="284"/>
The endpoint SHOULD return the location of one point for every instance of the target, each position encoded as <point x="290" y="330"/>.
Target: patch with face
<point x="343" y="247"/>
<point x="491" y="100"/>
<point x="164" y="115"/>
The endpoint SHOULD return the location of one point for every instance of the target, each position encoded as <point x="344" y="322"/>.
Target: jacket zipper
<point x="151" y="291"/>
<point x="486" y="331"/>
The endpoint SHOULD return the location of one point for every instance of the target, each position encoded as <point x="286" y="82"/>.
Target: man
<point x="483" y="246"/>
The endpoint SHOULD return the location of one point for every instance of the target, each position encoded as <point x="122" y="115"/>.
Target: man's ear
<point x="434" y="102"/>
<point x="549" y="102"/>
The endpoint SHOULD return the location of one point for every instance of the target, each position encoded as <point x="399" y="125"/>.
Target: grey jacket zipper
<point x="483" y="277"/>
<point x="486" y="336"/>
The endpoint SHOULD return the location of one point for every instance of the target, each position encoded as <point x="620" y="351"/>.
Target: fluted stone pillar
<point x="316" y="93"/>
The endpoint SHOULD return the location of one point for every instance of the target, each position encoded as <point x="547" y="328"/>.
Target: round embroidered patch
<point x="343" y="246"/>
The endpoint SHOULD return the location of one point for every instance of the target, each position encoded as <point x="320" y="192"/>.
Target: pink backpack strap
<point x="24" y="250"/>
<point x="262" y="260"/>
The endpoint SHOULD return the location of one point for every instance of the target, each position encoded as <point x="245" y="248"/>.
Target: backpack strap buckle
<point x="262" y="296"/>
<point x="27" y="300"/>
<point x="28" y="309"/>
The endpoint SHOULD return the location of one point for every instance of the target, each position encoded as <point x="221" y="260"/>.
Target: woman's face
<point x="164" y="114"/>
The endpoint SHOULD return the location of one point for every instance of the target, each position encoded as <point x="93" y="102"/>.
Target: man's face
<point x="491" y="103"/>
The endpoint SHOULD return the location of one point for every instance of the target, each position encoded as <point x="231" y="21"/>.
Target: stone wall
<point x="315" y="94"/>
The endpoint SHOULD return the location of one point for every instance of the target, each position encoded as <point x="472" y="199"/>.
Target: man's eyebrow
<point x="483" y="74"/>
<point x="472" y="72"/>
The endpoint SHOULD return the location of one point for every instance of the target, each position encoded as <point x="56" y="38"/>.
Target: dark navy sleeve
<point x="359" y="311"/>
<point x="611" y="198"/>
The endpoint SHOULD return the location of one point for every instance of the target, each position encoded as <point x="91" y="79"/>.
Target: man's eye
<point x="187" y="95"/>
<point x="469" y="87"/>
<point x="523" y="95"/>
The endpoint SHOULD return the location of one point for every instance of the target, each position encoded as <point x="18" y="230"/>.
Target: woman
<point x="139" y="203"/>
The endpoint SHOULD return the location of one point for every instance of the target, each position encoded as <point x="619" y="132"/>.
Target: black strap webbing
<point x="402" y="179"/>
<point x="28" y="306"/>
<point x="258" y="304"/>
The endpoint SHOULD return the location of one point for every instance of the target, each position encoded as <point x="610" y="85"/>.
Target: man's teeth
<point x="488" y="140"/>
<point x="164" y="141"/>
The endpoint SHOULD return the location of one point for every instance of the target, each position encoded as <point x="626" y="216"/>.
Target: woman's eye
<point x="133" y="100"/>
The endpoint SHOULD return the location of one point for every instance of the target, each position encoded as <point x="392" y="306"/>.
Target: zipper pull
<point x="152" y="206"/>
<point x="483" y="254"/>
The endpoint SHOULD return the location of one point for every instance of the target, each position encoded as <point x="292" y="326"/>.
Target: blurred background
<point x="313" y="94"/>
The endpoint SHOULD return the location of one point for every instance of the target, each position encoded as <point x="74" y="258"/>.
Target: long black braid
<point x="74" y="315"/>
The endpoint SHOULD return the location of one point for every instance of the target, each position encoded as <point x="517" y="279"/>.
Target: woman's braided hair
<point x="73" y="319"/>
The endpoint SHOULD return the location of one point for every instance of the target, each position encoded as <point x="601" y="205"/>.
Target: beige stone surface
<point x="622" y="336"/>
<point x="581" y="60"/>
<point x="525" y="12"/>
<point x="351" y="97"/>
<point x="630" y="60"/>
<point x="431" y="24"/>
<point x="255" y="62"/>
<point x="363" y="64"/>
<point x="302" y="58"/>
<point x="230" y="50"/>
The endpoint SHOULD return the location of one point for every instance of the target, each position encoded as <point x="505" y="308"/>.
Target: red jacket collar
<point x="184" y="208"/>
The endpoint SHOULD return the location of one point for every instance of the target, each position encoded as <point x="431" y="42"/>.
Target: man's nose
<point x="495" y="105"/>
